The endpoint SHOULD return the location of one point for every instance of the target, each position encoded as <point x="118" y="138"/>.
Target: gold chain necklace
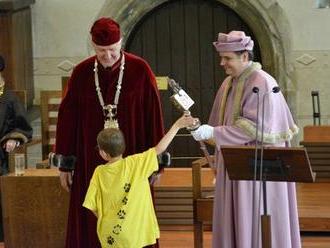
<point x="110" y="110"/>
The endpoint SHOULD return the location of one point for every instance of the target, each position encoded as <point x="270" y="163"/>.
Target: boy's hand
<point x="186" y="121"/>
<point x="66" y="180"/>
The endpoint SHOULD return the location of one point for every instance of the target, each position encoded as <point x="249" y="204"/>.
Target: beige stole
<point x="238" y="94"/>
<point x="237" y="100"/>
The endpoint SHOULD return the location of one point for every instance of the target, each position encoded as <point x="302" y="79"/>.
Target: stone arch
<point x="266" y="19"/>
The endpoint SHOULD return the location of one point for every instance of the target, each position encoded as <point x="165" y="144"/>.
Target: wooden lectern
<point x="278" y="164"/>
<point x="35" y="209"/>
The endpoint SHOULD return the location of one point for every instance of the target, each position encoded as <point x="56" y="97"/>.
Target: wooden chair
<point x="202" y="203"/>
<point x="49" y="105"/>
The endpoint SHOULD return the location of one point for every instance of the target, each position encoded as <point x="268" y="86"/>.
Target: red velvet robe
<point x="81" y="118"/>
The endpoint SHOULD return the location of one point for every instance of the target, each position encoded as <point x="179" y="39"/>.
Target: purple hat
<point x="233" y="41"/>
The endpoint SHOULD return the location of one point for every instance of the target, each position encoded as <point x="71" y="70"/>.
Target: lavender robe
<point x="232" y="216"/>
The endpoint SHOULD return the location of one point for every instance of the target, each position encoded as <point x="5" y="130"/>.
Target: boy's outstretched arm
<point x="183" y="121"/>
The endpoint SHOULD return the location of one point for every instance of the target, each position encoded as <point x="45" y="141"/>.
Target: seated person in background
<point x="14" y="127"/>
<point x="119" y="193"/>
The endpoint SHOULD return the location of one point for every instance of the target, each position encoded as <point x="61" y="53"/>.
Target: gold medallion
<point x="110" y="119"/>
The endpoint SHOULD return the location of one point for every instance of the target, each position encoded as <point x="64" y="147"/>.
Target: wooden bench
<point x="317" y="143"/>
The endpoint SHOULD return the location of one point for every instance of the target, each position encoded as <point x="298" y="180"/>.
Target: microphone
<point x="276" y="89"/>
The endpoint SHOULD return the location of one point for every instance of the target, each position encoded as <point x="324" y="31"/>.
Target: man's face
<point x="108" y="55"/>
<point x="233" y="63"/>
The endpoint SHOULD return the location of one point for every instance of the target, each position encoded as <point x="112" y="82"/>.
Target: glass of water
<point x="19" y="164"/>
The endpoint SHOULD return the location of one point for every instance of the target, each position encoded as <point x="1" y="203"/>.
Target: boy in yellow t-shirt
<point x="119" y="193"/>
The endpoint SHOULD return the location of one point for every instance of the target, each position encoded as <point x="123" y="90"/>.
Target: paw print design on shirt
<point x="127" y="187"/>
<point x="124" y="200"/>
<point x="116" y="229"/>
<point x="121" y="214"/>
<point x="110" y="240"/>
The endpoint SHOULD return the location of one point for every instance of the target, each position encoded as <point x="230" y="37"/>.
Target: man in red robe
<point x="113" y="86"/>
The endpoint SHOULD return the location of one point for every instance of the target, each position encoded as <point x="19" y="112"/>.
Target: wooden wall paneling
<point x="191" y="84"/>
<point x="149" y="49"/>
<point x="192" y="45"/>
<point x="5" y="49"/>
<point x="16" y="45"/>
<point x="182" y="144"/>
<point x="219" y="26"/>
<point x="177" y="51"/>
<point x="178" y="41"/>
<point x="165" y="38"/>
<point x="163" y="58"/>
<point x="207" y="62"/>
<point x="136" y="44"/>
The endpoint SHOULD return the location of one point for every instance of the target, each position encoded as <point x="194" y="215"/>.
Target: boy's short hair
<point x="112" y="141"/>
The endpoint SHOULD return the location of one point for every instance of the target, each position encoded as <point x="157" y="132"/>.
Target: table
<point x="35" y="209"/>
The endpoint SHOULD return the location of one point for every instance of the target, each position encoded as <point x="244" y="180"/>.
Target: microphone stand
<point x="255" y="219"/>
<point x="265" y="218"/>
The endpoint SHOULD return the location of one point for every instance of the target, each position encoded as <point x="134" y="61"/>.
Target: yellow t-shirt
<point x="120" y="195"/>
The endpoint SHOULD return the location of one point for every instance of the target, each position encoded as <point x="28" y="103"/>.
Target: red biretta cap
<point x="105" y="32"/>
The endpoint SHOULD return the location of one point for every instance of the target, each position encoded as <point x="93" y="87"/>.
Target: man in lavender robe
<point x="233" y="121"/>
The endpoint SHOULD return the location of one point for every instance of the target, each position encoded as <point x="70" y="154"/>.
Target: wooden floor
<point x="176" y="239"/>
<point x="184" y="239"/>
<point x="313" y="198"/>
<point x="313" y="207"/>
